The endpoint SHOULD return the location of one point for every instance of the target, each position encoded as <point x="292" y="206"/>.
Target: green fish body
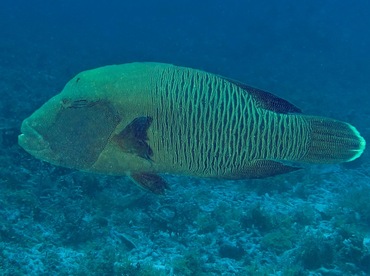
<point x="142" y="119"/>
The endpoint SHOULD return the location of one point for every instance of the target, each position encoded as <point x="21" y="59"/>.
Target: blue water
<point x="313" y="53"/>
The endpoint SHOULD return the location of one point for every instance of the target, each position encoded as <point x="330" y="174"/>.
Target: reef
<point x="57" y="220"/>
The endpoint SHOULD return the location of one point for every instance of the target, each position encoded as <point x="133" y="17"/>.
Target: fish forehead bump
<point x="119" y="83"/>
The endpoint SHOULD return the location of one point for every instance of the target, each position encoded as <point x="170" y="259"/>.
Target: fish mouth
<point x="30" y="139"/>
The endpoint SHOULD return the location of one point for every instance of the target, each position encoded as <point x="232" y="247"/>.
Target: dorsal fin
<point x="267" y="100"/>
<point x="133" y="138"/>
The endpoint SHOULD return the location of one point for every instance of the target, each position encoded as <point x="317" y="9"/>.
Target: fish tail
<point x="332" y="141"/>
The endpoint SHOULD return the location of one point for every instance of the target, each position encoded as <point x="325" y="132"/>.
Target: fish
<point x="146" y="119"/>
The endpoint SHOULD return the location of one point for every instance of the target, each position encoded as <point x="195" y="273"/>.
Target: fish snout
<point x="30" y="139"/>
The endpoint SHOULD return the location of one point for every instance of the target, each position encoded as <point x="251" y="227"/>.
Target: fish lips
<point x="32" y="141"/>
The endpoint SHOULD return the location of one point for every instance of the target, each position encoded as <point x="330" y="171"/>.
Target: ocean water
<point x="56" y="221"/>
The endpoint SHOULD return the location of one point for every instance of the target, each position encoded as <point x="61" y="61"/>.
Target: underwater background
<point x="56" y="221"/>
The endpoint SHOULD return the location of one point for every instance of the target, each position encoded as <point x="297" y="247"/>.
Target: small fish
<point x="144" y="119"/>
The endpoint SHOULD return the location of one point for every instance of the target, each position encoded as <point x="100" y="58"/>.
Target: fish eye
<point x="65" y="102"/>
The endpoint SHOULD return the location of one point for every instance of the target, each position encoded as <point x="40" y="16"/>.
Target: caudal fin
<point x="332" y="141"/>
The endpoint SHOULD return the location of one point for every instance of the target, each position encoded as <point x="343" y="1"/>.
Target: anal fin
<point x="264" y="168"/>
<point x="151" y="182"/>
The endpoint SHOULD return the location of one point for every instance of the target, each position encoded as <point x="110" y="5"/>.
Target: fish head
<point x="72" y="128"/>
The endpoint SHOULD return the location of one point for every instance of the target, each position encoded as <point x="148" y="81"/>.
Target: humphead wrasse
<point x="144" y="119"/>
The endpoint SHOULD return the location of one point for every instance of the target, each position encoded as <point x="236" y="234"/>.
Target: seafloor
<point x="56" y="221"/>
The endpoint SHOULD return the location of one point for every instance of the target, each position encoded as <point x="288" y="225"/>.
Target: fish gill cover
<point x="60" y="221"/>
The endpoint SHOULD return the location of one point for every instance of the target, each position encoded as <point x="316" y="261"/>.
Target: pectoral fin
<point x="151" y="182"/>
<point x="133" y="138"/>
<point x="264" y="168"/>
